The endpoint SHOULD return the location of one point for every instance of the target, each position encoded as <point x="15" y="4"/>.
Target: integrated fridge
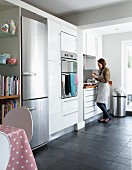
<point x="34" y="78"/>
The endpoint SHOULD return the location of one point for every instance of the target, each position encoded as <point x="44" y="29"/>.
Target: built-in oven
<point x="69" y="74"/>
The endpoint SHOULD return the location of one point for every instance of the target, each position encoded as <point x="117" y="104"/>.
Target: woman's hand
<point x="94" y="75"/>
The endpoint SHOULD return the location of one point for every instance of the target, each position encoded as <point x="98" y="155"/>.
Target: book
<point x="2" y="112"/>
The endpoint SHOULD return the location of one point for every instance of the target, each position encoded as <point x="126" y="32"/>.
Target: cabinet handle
<point x="31" y="109"/>
<point x="28" y="74"/>
<point x="70" y="113"/>
<point x="93" y="101"/>
<point x="69" y="100"/>
<point x="89" y="106"/>
<point x="69" y="60"/>
<point x="91" y="95"/>
<point x="90" y="112"/>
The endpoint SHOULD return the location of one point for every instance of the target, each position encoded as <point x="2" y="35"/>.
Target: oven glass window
<point x="69" y="78"/>
<point x="69" y="66"/>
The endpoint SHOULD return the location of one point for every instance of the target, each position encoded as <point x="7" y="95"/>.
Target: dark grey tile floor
<point x="96" y="147"/>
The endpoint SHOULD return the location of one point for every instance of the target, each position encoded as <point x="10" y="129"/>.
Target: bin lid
<point x="119" y="92"/>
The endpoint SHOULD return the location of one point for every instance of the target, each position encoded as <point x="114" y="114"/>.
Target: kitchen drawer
<point x="89" y="103"/>
<point x="89" y="92"/>
<point x="89" y="98"/>
<point x="69" y="119"/>
<point x="69" y="106"/>
<point x="88" y="115"/>
<point x="89" y="109"/>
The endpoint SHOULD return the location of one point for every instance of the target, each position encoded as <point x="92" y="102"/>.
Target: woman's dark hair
<point x="102" y="61"/>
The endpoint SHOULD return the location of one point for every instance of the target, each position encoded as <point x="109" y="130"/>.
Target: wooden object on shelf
<point x="9" y="97"/>
<point x="86" y="87"/>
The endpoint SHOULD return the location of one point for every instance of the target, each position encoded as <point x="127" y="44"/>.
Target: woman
<point x="103" y="89"/>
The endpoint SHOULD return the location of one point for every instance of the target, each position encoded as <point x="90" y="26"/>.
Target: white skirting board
<point x="80" y="125"/>
<point x="60" y="133"/>
<point x="93" y="118"/>
<point x="77" y="127"/>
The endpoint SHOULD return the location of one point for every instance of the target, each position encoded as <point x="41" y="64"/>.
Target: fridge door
<point x="39" y="111"/>
<point x="34" y="59"/>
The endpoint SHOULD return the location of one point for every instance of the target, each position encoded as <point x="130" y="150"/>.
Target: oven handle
<point x="70" y="60"/>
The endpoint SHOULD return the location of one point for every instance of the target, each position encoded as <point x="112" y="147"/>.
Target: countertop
<point x="86" y="87"/>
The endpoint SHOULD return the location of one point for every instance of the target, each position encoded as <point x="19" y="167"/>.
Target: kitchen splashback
<point x="87" y="74"/>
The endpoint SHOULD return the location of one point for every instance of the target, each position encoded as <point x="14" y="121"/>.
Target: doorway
<point x="127" y="71"/>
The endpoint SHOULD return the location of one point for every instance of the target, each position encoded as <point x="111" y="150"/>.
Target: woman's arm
<point x="106" y="76"/>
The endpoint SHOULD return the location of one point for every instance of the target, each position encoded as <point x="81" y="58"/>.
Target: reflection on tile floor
<point x="96" y="147"/>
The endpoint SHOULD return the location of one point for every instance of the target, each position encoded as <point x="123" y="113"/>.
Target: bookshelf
<point x="8" y="103"/>
<point x="9" y="97"/>
<point x="8" y="64"/>
<point x="6" y="35"/>
<point x="9" y="94"/>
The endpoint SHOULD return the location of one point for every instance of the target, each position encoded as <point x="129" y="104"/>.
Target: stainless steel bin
<point x="119" y="102"/>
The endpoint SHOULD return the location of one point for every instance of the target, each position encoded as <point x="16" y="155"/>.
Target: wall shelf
<point x="8" y="64"/>
<point x="6" y="35"/>
<point x="9" y="97"/>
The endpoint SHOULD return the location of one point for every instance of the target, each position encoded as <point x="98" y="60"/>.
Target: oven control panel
<point x="68" y="55"/>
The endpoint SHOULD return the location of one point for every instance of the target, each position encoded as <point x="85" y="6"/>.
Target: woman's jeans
<point x="102" y="106"/>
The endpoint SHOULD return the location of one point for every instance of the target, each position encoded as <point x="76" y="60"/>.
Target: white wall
<point x="100" y="15"/>
<point x="112" y="52"/>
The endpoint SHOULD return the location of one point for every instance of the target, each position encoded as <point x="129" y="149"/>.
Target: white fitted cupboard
<point x="89" y="103"/>
<point x="55" y="123"/>
<point x="54" y="75"/>
<point x="68" y="42"/>
<point x="69" y="112"/>
<point x="92" y="43"/>
<point x="90" y="107"/>
<point x="92" y="48"/>
<point x="63" y="113"/>
<point x="53" y="41"/>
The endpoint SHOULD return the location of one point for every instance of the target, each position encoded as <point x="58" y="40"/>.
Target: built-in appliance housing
<point x="69" y="74"/>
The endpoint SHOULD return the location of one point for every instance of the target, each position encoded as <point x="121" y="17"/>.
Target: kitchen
<point x="59" y="121"/>
<point x="49" y="68"/>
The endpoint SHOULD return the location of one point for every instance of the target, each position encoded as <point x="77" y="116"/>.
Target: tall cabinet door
<point x="55" y="120"/>
<point x="68" y="42"/>
<point x="91" y="44"/>
<point x="54" y="71"/>
<point x="53" y="41"/>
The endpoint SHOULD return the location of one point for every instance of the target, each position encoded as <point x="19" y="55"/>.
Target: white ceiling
<point x="61" y="7"/>
<point x="114" y="29"/>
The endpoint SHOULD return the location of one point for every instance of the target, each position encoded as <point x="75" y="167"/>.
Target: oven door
<point x="69" y="78"/>
<point x="69" y="66"/>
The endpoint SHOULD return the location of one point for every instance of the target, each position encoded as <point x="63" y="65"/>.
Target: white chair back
<point x="20" y="117"/>
<point x="4" y="151"/>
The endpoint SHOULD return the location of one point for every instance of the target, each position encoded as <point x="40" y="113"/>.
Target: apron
<point x="103" y="91"/>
